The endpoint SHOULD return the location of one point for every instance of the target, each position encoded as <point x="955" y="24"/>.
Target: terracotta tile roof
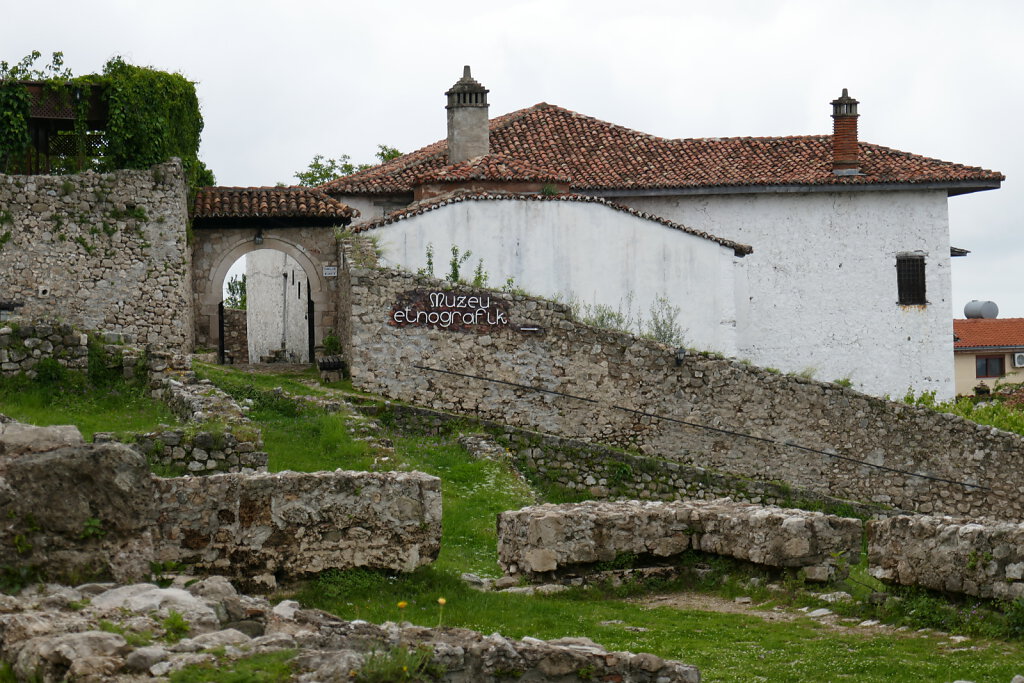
<point x="602" y="156"/>
<point x="434" y="203"/>
<point x="257" y="202"/>
<point x="988" y="332"/>
<point x="495" y="167"/>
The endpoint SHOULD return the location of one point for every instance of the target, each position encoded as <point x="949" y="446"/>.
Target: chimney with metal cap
<point x="845" y="154"/>
<point x="468" y="133"/>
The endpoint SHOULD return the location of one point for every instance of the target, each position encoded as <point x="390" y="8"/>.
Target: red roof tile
<point x="988" y="332"/>
<point x="602" y="156"/>
<point x="494" y="167"/>
<point x="253" y="202"/>
<point x="432" y="204"/>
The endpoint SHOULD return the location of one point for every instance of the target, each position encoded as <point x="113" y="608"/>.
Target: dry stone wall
<point x="24" y="345"/>
<point x="599" y="471"/>
<point x="79" y="510"/>
<point x="540" y="540"/>
<point x="101" y="251"/>
<point x="539" y="369"/>
<point x="985" y="558"/>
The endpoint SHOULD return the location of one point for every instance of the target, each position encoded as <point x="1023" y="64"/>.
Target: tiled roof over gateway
<point x="598" y="155"/>
<point x="988" y="332"/>
<point x="260" y="202"/>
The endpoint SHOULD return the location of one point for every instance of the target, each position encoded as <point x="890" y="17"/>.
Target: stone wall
<point x="600" y="472"/>
<point x="543" y="371"/>
<point x="544" y="539"/>
<point x="216" y="448"/>
<point x="102" y="252"/>
<point x="22" y="345"/>
<point x="985" y="559"/>
<point x="236" y="335"/>
<point x="77" y="511"/>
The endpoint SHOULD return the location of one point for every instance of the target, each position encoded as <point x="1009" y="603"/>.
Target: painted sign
<point x="457" y="311"/>
<point x="330" y="271"/>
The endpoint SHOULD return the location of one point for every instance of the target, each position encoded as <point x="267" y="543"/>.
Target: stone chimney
<point x="468" y="134"/>
<point x="845" y="155"/>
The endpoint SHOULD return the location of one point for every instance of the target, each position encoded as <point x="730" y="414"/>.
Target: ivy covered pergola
<point x="125" y="117"/>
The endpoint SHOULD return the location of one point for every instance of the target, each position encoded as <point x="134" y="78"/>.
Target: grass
<point x="270" y="667"/>
<point x="63" y="397"/>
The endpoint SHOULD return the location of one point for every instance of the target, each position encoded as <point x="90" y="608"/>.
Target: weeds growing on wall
<point x="1003" y="408"/>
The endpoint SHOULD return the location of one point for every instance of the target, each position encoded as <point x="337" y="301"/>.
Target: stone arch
<point x="215" y="251"/>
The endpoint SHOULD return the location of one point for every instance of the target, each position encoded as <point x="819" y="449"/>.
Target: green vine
<point x="153" y="116"/>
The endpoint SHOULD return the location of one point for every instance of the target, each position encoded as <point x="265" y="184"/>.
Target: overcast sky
<point x="279" y="82"/>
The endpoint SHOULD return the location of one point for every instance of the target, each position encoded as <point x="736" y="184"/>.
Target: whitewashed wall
<point x="277" y="305"/>
<point x="589" y="251"/>
<point x="822" y="282"/>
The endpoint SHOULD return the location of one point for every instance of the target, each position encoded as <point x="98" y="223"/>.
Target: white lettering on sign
<point x="449" y="310"/>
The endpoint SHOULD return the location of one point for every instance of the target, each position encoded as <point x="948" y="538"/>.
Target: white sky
<point x="279" y="82"/>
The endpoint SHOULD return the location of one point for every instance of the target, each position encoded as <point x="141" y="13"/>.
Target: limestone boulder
<point x="72" y="509"/>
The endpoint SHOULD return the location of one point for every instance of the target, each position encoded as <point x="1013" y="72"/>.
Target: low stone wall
<point x="544" y="539"/>
<point x="984" y="559"/>
<point x="526" y="362"/>
<point x="231" y="448"/>
<point x="23" y="345"/>
<point x="603" y="472"/>
<point x="78" y="510"/>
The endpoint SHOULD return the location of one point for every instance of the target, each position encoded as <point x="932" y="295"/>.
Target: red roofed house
<point x="986" y="351"/>
<point x="817" y="253"/>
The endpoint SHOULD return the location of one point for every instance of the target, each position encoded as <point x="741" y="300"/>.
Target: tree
<point x="323" y="170"/>
<point x="236" y="293"/>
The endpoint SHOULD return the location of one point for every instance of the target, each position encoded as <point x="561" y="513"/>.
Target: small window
<point x="990" y="366"/>
<point x="910" y="280"/>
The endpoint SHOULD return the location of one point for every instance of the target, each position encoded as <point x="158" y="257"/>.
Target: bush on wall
<point x="153" y="115"/>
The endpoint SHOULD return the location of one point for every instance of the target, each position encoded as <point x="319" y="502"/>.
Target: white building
<point x="849" y="276"/>
<point x="278" y="293"/>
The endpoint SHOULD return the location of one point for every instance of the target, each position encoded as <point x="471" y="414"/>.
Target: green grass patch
<point x="57" y="396"/>
<point x="231" y="379"/>
<point x="270" y="667"/>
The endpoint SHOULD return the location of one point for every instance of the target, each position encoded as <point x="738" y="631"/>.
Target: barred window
<point x="910" y="279"/>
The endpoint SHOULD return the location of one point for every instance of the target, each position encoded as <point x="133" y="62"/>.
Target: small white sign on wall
<point x="330" y="271"/>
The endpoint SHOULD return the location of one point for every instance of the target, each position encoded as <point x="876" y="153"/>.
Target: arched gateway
<point x="229" y="222"/>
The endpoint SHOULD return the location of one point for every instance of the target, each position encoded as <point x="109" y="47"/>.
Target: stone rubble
<point x="122" y="633"/>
